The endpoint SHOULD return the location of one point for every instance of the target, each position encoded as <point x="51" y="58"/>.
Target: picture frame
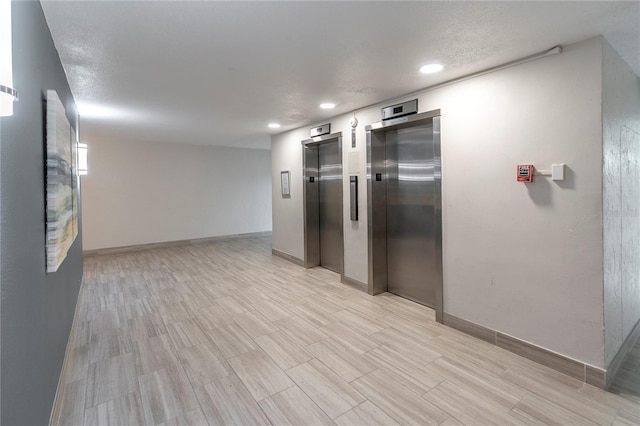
<point x="74" y="181"/>
<point x="61" y="205"/>
<point x="285" y="184"/>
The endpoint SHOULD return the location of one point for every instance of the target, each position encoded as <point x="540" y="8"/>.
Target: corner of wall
<point x="621" y="200"/>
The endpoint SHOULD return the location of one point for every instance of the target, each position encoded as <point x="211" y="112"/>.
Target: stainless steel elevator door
<point x="411" y="198"/>
<point x="330" y="197"/>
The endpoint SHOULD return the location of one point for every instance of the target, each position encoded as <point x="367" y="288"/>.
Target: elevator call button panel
<point x="524" y="173"/>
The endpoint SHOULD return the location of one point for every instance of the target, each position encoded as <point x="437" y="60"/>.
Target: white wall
<point x="524" y="259"/>
<point x="138" y="193"/>
<point x="621" y="198"/>
<point x="287" y="214"/>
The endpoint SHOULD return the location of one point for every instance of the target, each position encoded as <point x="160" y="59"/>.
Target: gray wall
<point x="37" y="308"/>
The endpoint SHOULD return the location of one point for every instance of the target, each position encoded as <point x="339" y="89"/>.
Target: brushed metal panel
<point x="417" y="248"/>
<point x="330" y="206"/>
<point x="403" y="122"/>
<point x="437" y="210"/>
<point x="319" y="217"/>
<point x="325" y="129"/>
<point x="325" y="138"/>
<point x="376" y="213"/>
<point x="399" y="110"/>
<point x="311" y="206"/>
<point x="410" y="213"/>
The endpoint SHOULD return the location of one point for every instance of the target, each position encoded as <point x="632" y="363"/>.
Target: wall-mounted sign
<point x="284" y="184"/>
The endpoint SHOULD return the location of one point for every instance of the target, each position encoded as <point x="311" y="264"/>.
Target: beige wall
<point x="138" y="193"/>
<point x="524" y="259"/>
<point x="621" y="197"/>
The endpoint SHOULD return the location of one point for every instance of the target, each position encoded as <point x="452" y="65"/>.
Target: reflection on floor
<point x="224" y="333"/>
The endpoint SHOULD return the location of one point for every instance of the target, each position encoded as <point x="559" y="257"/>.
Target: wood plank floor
<point x="225" y="333"/>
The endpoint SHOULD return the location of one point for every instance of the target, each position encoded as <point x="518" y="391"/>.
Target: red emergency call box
<point x="524" y="172"/>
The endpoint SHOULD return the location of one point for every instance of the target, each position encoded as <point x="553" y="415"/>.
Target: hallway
<point x="224" y="333"/>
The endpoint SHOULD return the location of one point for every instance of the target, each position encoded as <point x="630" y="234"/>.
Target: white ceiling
<point x="215" y="73"/>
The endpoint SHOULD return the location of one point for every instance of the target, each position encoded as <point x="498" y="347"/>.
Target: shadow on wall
<point x="540" y="191"/>
<point x="569" y="181"/>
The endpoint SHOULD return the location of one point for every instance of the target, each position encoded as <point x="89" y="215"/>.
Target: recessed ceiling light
<point x="327" y="105"/>
<point x="274" y="125"/>
<point x="431" y="68"/>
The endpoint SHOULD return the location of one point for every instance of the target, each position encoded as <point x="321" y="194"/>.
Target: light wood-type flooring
<point x="225" y="333"/>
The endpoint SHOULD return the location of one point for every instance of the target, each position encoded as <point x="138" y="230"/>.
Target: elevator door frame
<point x="311" y="202"/>
<point x="377" y="202"/>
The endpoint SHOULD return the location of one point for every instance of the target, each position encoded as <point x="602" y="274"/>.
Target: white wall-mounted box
<point x="557" y="172"/>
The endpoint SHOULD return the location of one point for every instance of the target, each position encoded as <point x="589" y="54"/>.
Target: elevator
<point x="322" y="193"/>
<point x="405" y="208"/>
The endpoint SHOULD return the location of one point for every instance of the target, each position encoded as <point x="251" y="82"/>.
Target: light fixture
<point x="274" y="125"/>
<point x="7" y="93"/>
<point x="327" y="105"/>
<point x="83" y="159"/>
<point x="431" y="68"/>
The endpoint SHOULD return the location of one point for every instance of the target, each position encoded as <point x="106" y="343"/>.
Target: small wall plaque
<point x="285" y="184"/>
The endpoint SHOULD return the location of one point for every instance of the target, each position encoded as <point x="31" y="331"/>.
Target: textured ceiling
<point x="215" y="73"/>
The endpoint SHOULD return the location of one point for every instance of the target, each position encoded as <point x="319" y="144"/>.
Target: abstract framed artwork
<point x="61" y="220"/>
<point x="74" y="180"/>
